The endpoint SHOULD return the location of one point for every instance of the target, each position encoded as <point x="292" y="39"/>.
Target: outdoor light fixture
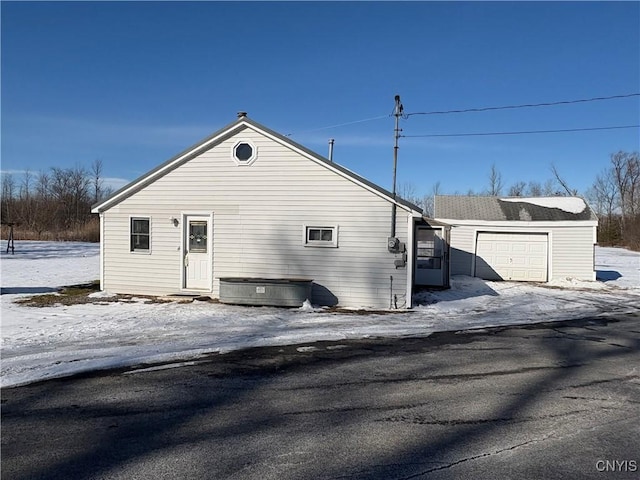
<point x="175" y="221"/>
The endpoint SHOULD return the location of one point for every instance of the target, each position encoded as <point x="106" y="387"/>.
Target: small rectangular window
<point x="321" y="236"/>
<point x="140" y="234"/>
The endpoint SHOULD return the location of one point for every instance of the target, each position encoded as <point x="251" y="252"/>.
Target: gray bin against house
<point x="278" y="292"/>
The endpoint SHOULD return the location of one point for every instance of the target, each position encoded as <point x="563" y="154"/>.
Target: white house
<point x="249" y="203"/>
<point x="522" y="239"/>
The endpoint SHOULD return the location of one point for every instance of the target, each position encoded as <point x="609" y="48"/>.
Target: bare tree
<point x="429" y="200"/>
<point x="571" y="192"/>
<point x="517" y="189"/>
<point x="96" y="180"/>
<point x="626" y="171"/>
<point x="626" y="175"/>
<point x="534" y="189"/>
<point x="8" y="192"/>
<point x="615" y="195"/>
<point x="408" y="192"/>
<point x="44" y="207"/>
<point x="603" y="197"/>
<point x="24" y="202"/>
<point x="55" y="204"/>
<point x="549" y="189"/>
<point x="495" y="182"/>
<point x="80" y="186"/>
<point x="25" y="186"/>
<point x="604" y="193"/>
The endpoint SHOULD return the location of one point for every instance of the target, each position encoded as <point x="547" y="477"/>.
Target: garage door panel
<point x="536" y="248"/>
<point x="538" y="262"/>
<point x="518" y="262"/>
<point x="502" y="247"/>
<point x="519" y="248"/>
<point x="520" y="272"/>
<point x="512" y="256"/>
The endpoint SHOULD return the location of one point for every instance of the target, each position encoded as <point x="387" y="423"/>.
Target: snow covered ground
<point x="41" y="343"/>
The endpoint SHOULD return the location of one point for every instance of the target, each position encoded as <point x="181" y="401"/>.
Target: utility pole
<point x="397" y="112"/>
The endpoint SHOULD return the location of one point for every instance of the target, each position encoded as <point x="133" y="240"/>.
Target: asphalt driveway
<point x="548" y="401"/>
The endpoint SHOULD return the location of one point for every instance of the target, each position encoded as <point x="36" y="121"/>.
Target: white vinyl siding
<point x="462" y="243"/>
<point x="570" y="248"/>
<point x="573" y="253"/>
<point x="258" y="212"/>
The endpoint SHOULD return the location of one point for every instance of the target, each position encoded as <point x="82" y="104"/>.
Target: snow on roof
<point x="529" y="209"/>
<point x="567" y="204"/>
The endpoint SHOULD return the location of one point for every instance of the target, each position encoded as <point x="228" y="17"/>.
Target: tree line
<point x="53" y="205"/>
<point x="614" y="196"/>
<point x="56" y="205"/>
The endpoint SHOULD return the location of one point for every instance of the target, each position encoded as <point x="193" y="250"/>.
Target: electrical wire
<point x="341" y="124"/>
<point x="482" y="109"/>
<point x="525" y="105"/>
<point x="481" y="134"/>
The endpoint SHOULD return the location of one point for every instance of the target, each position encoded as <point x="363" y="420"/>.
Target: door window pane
<point x="198" y="236"/>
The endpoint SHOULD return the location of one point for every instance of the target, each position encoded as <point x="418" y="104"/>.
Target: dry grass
<point x="89" y="232"/>
<point x="79" y="294"/>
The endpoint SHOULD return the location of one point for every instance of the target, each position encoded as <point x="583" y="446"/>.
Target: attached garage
<point x="512" y="256"/>
<point x="520" y="239"/>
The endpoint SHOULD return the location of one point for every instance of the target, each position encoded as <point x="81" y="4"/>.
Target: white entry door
<point x="512" y="256"/>
<point x="197" y="258"/>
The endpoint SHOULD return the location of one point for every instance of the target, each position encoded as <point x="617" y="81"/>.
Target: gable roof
<point x="534" y="209"/>
<point x="223" y="134"/>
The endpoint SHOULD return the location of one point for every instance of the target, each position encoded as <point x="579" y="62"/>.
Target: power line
<point x="341" y="124"/>
<point x="480" y="134"/>
<point x="482" y="109"/>
<point x="525" y="105"/>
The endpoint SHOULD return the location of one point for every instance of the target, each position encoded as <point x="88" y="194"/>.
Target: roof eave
<point x="174" y="161"/>
<point x="228" y="131"/>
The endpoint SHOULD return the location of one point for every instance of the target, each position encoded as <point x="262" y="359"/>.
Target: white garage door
<point x="512" y="256"/>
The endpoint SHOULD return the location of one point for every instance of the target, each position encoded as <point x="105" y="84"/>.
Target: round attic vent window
<point x="243" y="152"/>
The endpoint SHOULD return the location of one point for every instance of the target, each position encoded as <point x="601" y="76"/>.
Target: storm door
<point x="430" y="259"/>
<point x="197" y="258"/>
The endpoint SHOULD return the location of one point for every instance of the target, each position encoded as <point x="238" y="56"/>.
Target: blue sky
<point x="134" y="83"/>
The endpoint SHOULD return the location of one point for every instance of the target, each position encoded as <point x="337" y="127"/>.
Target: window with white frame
<point x="140" y="229"/>
<point x="244" y="153"/>
<point x="321" y="236"/>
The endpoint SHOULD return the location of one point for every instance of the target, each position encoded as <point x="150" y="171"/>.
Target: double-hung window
<point x="140" y="229"/>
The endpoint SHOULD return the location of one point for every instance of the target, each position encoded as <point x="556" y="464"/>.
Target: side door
<point x="198" y="267"/>
<point x="430" y="259"/>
